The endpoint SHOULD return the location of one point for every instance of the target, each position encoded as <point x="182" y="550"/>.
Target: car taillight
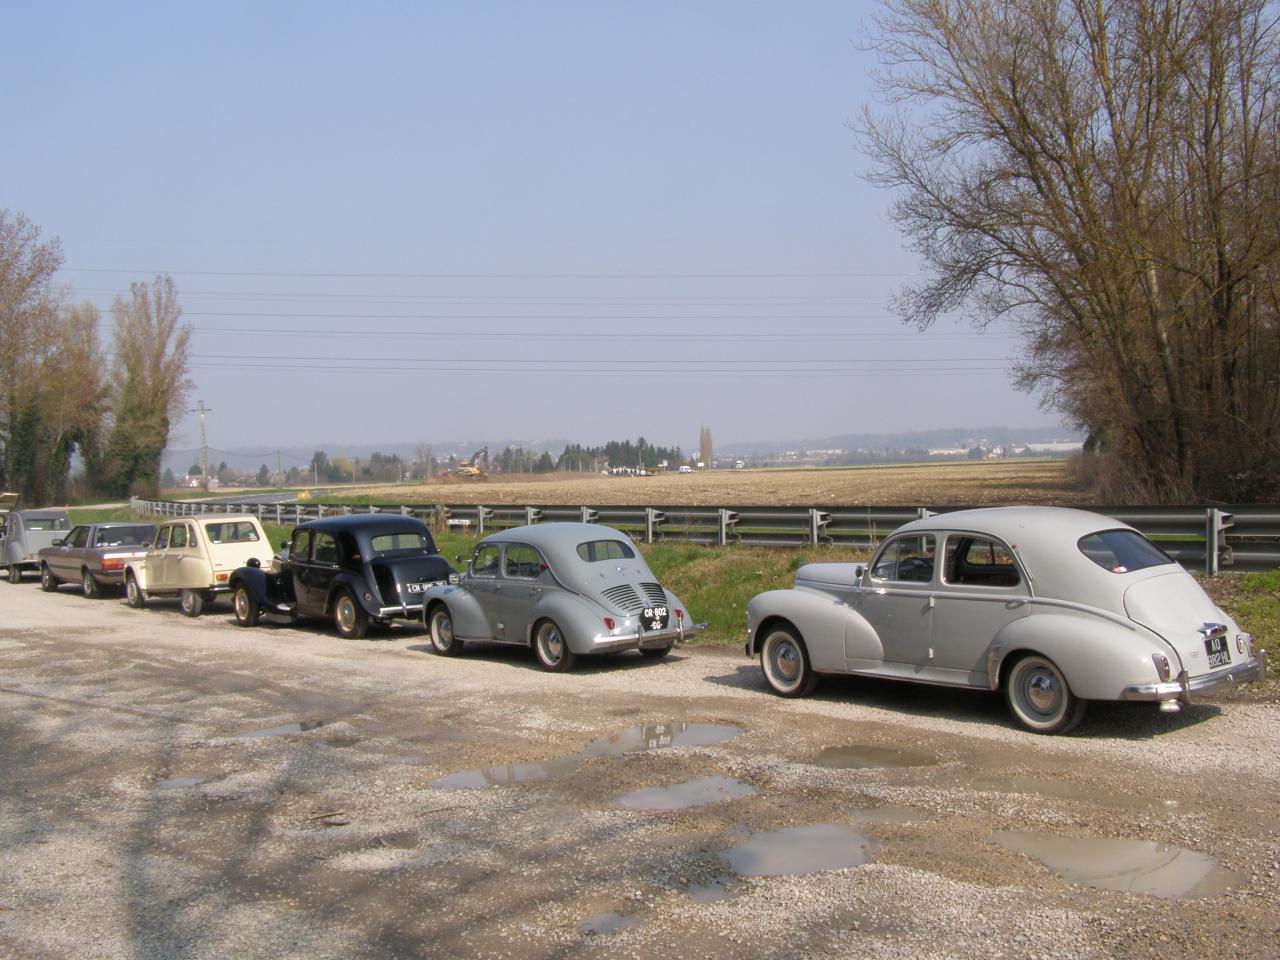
<point x="679" y="614"/>
<point x="1162" y="665"/>
<point x="609" y="623"/>
<point x="222" y="577"/>
<point x="112" y="566"/>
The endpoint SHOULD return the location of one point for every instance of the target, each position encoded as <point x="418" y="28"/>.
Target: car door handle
<point x="533" y="590"/>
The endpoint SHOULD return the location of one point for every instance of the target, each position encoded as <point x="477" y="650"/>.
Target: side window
<point x="78" y="537"/>
<point x="326" y="548"/>
<point x="522" y="561"/>
<point x="485" y="561"/>
<point x="179" y="536"/>
<point x="162" y="538"/>
<point x="980" y="561"/>
<point x="300" y="548"/>
<point x="907" y="559"/>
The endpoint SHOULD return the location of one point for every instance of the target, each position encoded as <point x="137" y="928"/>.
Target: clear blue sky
<point x="431" y="221"/>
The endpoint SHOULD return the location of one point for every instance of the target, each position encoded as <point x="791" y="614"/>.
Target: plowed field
<point x="986" y="482"/>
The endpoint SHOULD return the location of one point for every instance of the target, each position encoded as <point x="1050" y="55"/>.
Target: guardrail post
<point x="319" y="511"/>
<point x="590" y="516"/>
<point x="818" y="521"/>
<point x="923" y="513"/>
<point x="532" y="515"/>
<point x="652" y="518"/>
<point x="482" y="514"/>
<point x="1217" y="552"/>
<point x="728" y="520"/>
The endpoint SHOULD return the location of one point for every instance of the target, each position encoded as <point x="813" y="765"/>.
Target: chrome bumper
<point x="644" y="641"/>
<point x="401" y="610"/>
<point x="1182" y="689"/>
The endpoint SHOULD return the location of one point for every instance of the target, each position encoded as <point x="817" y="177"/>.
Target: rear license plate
<point x="420" y="587"/>
<point x="1219" y="651"/>
<point x="654" y="618"/>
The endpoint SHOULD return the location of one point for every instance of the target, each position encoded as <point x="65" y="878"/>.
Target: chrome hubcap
<point x="786" y="661"/>
<point x="444" y="630"/>
<point x="1042" y="692"/>
<point x="552" y="643"/>
<point x="346" y="614"/>
<point x="242" y="604"/>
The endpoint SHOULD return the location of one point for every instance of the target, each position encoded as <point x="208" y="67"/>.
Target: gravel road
<point x="174" y="788"/>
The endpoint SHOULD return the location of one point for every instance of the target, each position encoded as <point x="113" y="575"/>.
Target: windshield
<point x="46" y="523"/>
<point x="1122" y="551"/>
<point x="125" y="536"/>
<point x="409" y="541"/>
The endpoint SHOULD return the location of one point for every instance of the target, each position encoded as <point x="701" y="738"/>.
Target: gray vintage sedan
<point x="564" y="589"/>
<point x="1055" y="607"/>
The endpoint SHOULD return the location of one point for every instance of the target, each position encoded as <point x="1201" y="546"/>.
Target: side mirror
<point x="253" y="562"/>
<point x="859" y="571"/>
<point x="59" y="542"/>
<point x="284" y="544"/>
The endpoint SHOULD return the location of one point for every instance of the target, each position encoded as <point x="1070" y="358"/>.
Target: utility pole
<point x="279" y="467"/>
<point x="204" y="444"/>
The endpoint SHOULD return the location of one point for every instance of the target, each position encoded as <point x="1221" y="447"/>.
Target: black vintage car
<point x="358" y="569"/>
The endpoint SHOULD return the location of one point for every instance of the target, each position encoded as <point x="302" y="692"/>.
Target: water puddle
<point x="695" y="793"/>
<point x="603" y="924"/>
<point x="342" y="742"/>
<point x="1066" y="790"/>
<point x="180" y="783"/>
<point x="717" y="891"/>
<point x="863" y="756"/>
<point x="651" y="736"/>
<point x="799" y="850"/>
<point x="1131" y="866"/>
<point x="284" y="730"/>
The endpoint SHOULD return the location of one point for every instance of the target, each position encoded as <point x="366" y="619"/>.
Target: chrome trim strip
<point x="402" y="610"/>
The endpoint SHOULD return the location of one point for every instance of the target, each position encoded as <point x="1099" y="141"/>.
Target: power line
<point x="596" y="336"/>
<point x="310" y="275"/>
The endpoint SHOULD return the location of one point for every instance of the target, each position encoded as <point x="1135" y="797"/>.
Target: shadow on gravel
<point x="523" y="658"/>
<point x="1130" y="721"/>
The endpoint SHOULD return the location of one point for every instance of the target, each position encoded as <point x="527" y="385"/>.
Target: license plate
<point x="654" y="618"/>
<point x="420" y="587"/>
<point x="1219" y="651"/>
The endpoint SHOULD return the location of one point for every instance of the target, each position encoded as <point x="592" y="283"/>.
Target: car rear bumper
<point x="1249" y="670"/>
<point x="407" y="610"/>
<point x="645" y="641"/>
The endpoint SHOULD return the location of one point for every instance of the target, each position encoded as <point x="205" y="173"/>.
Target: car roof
<point x="357" y="522"/>
<point x="112" y="524"/>
<point x="1015" y="524"/>
<point x="40" y="514"/>
<point x="556" y="535"/>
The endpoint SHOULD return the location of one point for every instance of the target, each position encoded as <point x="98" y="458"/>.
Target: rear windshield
<point x="231" y="531"/>
<point x="125" y="536"/>
<point x="410" y="541"/>
<point x="1122" y="551"/>
<point x="595" y="550"/>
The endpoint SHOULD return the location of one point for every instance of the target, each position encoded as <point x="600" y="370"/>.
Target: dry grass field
<point x="933" y="484"/>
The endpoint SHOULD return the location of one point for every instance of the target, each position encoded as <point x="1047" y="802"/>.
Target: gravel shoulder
<point x="186" y="788"/>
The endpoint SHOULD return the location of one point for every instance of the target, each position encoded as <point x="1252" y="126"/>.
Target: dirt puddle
<point x="681" y="796"/>
<point x="862" y="756"/>
<point x="652" y="736"/>
<point x="799" y="850"/>
<point x="1131" y="866"/>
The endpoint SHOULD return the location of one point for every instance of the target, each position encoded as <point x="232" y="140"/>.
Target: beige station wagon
<point x="193" y="559"/>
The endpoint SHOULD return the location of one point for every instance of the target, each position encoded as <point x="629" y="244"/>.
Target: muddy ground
<point x="173" y="788"/>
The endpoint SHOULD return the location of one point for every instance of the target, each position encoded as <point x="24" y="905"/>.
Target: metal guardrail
<point x="1242" y="538"/>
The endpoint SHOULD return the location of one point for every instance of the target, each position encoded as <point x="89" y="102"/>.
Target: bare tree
<point x="1104" y="175"/>
<point x="150" y="383"/>
<point x="705" y="450"/>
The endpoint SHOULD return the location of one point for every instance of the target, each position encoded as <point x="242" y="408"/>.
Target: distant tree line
<point x="63" y="393"/>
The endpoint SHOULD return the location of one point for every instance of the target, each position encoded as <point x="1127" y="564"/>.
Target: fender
<point x="139" y="570"/>
<point x="258" y="580"/>
<point x="358" y="589"/>
<point x="469" y="621"/>
<point x="826" y="625"/>
<point x="1098" y="657"/>
<point x="578" y="619"/>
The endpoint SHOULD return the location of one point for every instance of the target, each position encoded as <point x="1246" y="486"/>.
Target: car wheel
<point x="440" y="623"/>
<point x="48" y="582"/>
<point x="552" y="648"/>
<point x="88" y="585"/>
<point x="15" y="573"/>
<point x="246" y="607"/>
<point x="134" y="593"/>
<point x="349" y="617"/>
<point x="785" y="663"/>
<point x="1040" y="698"/>
<point x="192" y="603"/>
<point x="655" y="653"/>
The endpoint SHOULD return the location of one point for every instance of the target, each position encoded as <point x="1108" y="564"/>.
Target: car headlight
<point x="453" y="577"/>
